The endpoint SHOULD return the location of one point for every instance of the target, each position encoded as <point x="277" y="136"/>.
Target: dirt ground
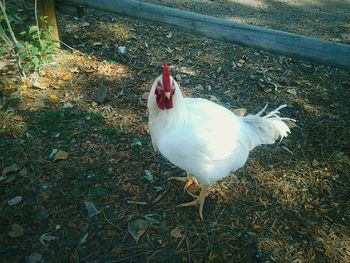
<point x="83" y="184"/>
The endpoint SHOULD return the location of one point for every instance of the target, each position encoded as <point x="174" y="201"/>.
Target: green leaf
<point x="35" y="61"/>
<point x="32" y="29"/>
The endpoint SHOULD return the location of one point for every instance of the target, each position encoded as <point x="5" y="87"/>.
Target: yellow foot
<point x="189" y="180"/>
<point x="199" y="200"/>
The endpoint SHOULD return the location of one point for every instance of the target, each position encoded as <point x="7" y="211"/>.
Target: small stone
<point x="122" y="50"/>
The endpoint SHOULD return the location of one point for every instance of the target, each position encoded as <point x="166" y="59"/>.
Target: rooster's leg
<point x="199" y="200"/>
<point x="189" y="180"/>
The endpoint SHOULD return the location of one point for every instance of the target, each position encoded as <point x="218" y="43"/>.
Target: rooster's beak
<point x="167" y="95"/>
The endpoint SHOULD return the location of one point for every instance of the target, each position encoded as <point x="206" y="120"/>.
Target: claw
<point x="198" y="200"/>
<point x="189" y="180"/>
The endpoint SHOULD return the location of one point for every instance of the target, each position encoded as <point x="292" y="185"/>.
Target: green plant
<point x="35" y="47"/>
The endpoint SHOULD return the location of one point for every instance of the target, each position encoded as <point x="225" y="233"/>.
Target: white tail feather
<point x="266" y="129"/>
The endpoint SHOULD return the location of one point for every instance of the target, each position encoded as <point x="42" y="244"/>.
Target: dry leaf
<point x="145" y="95"/>
<point x="118" y="250"/>
<point x="67" y="76"/>
<point x="17" y="231"/>
<point x="315" y="163"/>
<point x="17" y="118"/>
<point x="61" y="155"/>
<point x="35" y="257"/>
<point x="53" y="97"/>
<point x="39" y="85"/>
<point x="137" y="228"/>
<point x="240" y="111"/>
<point x="176" y="232"/>
<point x="8" y="169"/>
<point x="292" y="91"/>
<point x="96" y="44"/>
<point x="92" y="210"/>
<point x="179" y="58"/>
<point x="15" y="201"/>
<point x="67" y="105"/>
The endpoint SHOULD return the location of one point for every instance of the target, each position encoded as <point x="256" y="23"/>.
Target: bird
<point x="203" y="138"/>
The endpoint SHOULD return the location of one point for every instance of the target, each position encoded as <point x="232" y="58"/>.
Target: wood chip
<point x="61" y="155"/>
<point x="145" y="96"/>
<point x="176" y="232"/>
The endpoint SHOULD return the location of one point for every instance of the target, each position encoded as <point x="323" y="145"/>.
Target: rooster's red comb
<point x="166" y="77"/>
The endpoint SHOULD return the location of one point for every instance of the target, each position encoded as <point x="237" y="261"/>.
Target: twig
<point x="104" y="215"/>
<point x="136" y="202"/>
<point x="153" y="254"/>
<point x="68" y="46"/>
<point x="14" y="42"/>
<point x="2" y="7"/>
<point x="36" y="19"/>
<point x="5" y="37"/>
<point x="159" y="197"/>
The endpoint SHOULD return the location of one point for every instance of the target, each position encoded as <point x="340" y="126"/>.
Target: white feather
<point x="206" y="139"/>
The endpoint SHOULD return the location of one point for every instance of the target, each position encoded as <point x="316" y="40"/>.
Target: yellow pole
<point x="47" y="8"/>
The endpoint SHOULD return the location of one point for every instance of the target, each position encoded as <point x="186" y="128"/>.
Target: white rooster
<point x="203" y="138"/>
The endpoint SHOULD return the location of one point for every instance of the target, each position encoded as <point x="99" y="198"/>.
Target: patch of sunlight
<point x="204" y="57"/>
<point x="251" y="3"/>
<point x="121" y="31"/>
<point x="301" y="3"/>
<point x="242" y="20"/>
<point x="110" y="69"/>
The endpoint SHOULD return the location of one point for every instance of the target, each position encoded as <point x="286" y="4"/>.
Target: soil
<point x="82" y="183"/>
